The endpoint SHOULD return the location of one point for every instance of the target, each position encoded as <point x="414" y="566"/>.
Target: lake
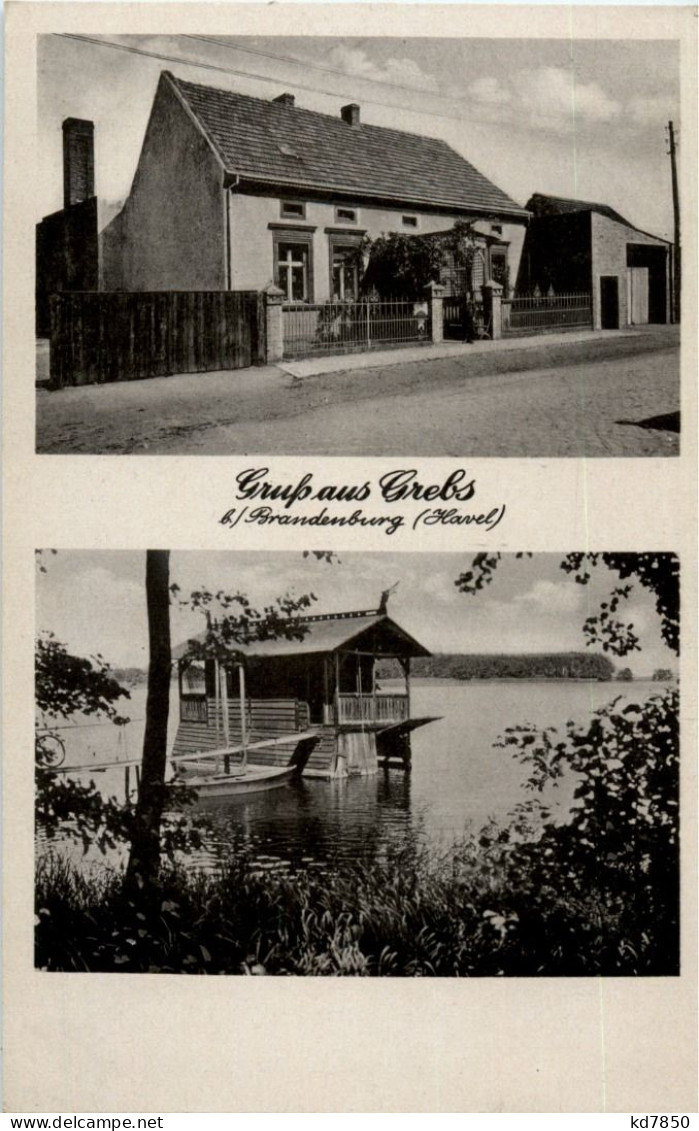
<point x="458" y="776"/>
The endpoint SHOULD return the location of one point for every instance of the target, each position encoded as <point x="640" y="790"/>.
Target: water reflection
<point x="308" y="822"/>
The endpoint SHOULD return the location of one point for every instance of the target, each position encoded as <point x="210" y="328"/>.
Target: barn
<point x="576" y="246"/>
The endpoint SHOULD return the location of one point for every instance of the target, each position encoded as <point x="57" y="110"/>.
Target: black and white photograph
<point x="358" y="246"/>
<point x="417" y="283"/>
<point x="380" y="764"/>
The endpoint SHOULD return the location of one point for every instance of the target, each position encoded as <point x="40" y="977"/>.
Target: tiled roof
<point x="288" y="145"/>
<point x="324" y="636"/>
<point x="542" y="205"/>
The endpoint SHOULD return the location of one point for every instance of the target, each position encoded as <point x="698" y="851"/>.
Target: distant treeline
<point x="130" y="677"/>
<point x="534" y="665"/>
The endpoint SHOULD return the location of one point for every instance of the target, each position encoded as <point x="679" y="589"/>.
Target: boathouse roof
<point x="277" y="142"/>
<point x="370" y="631"/>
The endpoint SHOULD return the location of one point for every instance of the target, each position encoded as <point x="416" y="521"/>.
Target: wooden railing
<point x="194" y="710"/>
<point x="372" y="708"/>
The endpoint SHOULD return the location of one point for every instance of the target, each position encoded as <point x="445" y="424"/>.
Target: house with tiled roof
<point x="233" y="192"/>
<point x="584" y="246"/>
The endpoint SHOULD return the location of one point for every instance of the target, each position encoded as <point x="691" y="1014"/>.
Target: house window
<point x="345" y="215"/>
<point x="496" y="229"/>
<point x="409" y="221"/>
<point x="345" y="273"/>
<point x="292" y="269"/>
<point x="292" y="209"/>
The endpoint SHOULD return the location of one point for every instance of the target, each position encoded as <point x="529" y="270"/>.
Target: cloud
<point x="403" y="71"/>
<point x="553" y="92"/>
<point x="552" y="597"/>
<point x="545" y="98"/>
<point x="489" y="90"/>
<point x="650" y="111"/>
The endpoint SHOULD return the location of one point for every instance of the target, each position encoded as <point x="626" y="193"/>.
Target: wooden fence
<point x="114" y="336"/>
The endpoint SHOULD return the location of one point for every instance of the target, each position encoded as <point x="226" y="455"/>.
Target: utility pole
<point x="677" y="260"/>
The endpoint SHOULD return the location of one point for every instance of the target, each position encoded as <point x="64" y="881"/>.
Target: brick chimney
<point x="350" y="114"/>
<point x="78" y="160"/>
<point x="285" y="99"/>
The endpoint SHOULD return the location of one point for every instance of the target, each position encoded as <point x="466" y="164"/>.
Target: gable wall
<point x="252" y="243"/>
<point x="609" y="241"/>
<point x="170" y="235"/>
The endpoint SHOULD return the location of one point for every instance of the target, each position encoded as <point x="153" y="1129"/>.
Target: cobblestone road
<point x="614" y="397"/>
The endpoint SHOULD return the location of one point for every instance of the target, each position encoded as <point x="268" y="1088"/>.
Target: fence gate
<point x="463" y="318"/>
<point x="114" y="336"/>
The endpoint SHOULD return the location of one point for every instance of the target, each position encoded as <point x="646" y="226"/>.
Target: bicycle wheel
<point x="50" y="750"/>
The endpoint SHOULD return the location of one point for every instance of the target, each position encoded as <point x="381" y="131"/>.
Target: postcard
<point x="351" y="590"/>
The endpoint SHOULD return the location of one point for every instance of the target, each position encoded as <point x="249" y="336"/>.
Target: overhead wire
<point x="257" y="77"/>
<point x="307" y="65"/>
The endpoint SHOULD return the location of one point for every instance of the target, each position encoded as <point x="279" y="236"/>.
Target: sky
<point x="583" y="119"/>
<point x="94" y="601"/>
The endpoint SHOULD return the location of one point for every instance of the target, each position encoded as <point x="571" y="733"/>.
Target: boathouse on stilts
<point x="326" y="683"/>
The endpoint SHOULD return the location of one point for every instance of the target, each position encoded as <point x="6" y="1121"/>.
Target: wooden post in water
<point x="217" y="700"/>
<point x="243" y="720"/>
<point x="405" y="738"/>
<point x="223" y="675"/>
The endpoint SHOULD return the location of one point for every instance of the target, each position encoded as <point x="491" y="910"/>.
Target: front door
<point x="609" y="301"/>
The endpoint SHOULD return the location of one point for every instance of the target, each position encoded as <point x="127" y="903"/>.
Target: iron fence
<point x="344" y="327"/>
<point x="531" y="314"/>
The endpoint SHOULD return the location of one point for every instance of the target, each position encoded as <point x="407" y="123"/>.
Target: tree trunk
<point x="144" y="858"/>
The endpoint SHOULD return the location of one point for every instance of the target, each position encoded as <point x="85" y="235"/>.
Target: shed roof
<point x="286" y="145"/>
<point x="541" y="205"/>
<point x="327" y="634"/>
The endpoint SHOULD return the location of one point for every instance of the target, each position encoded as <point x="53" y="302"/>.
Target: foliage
<point x="66" y="685"/>
<point x="131" y="677"/>
<point x="238" y="622"/>
<point x="401" y="266"/>
<point x="536" y="665"/>
<point x="625" y="675"/>
<point x="663" y="675"/>
<point x="620" y="845"/>
<point x="658" y="573"/>
<point x="66" y="808"/>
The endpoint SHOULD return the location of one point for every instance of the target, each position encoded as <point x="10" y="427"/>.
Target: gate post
<point x="492" y="308"/>
<point x="435" y="295"/>
<point x="274" y="320"/>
